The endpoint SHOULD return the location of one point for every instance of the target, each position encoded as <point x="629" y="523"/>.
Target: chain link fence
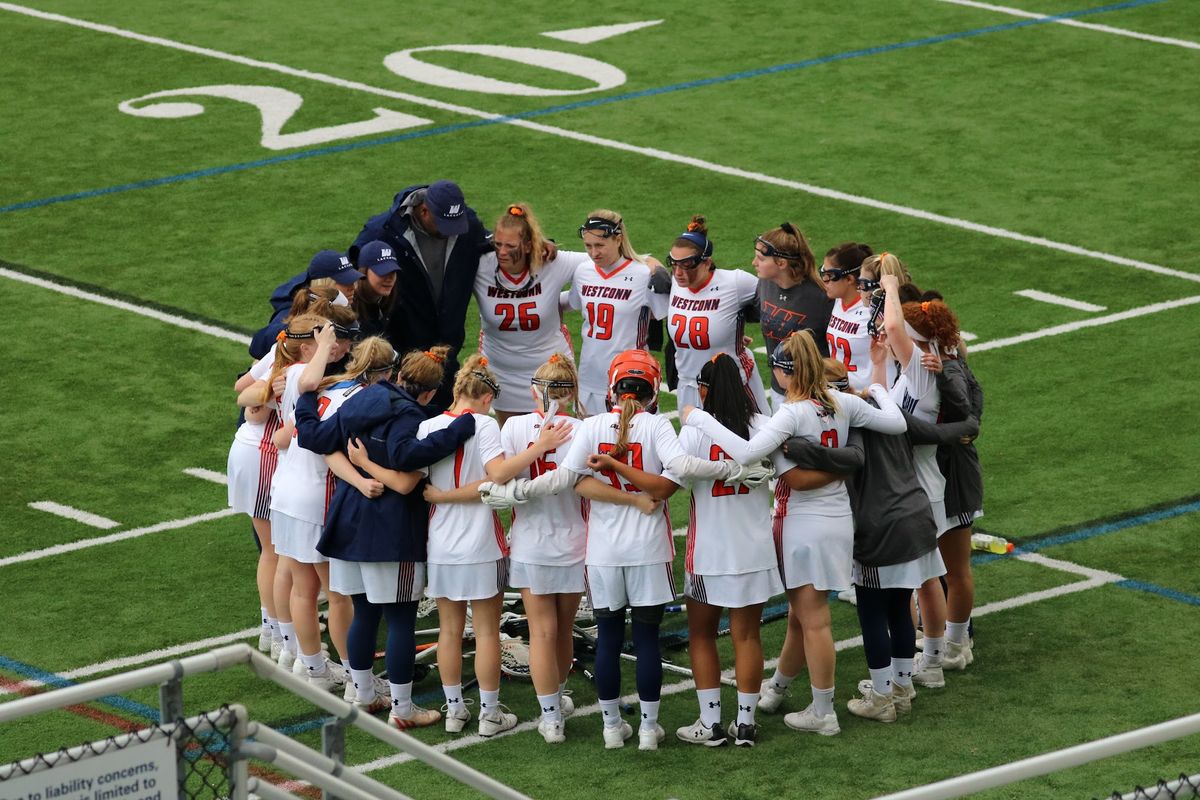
<point x="1182" y="787"/>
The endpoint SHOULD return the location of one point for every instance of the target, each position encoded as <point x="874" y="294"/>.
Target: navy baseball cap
<point x="445" y="201"/>
<point x="332" y="264"/>
<point x="379" y="257"/>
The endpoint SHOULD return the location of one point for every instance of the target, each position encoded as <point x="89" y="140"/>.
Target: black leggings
<point x="610" y="641"/>
<point x="401" y="641"/>
<point x="886" y="622"/>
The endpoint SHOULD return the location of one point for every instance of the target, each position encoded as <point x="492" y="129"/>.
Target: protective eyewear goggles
<point x="689" y="263"/>
<point x="487" y="380"/>
<point x="604" y="227"/>
<point x="771" y="251"/>
<point x="829" y="274"/>
<point x="352" y="332"/>
<point x="867" y="285"/>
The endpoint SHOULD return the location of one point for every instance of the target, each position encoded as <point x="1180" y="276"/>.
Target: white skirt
<point x="296" y="538"/>
<point x="467" y="581"/>
<point x="544" y="579"/>
<point x="616" y="587"/>
<point x="908" y="575"/>
<point x="250" y="471"/>
<point x="815" y="550"/>
<point x="381" y="581"/>
<point x="939" y="517"/>
<point x="733" y="591"/>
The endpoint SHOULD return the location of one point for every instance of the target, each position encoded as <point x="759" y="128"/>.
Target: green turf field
<point x="994" y="152"/>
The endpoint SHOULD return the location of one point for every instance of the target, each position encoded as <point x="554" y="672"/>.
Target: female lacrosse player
<point x="846" y="334"/>
<point x="518" y="291"/>
<point x="618" y="295"/>
<point x="629" y="554"/>
<point x="814" y="530"/>
<point x="707" y="314"/>
<point x="729" y="563"/>
<point x="381" y="542"/>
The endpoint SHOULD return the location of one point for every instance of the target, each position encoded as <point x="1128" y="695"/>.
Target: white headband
<point x="912" y="333"/>
<point x="340" y="300"/>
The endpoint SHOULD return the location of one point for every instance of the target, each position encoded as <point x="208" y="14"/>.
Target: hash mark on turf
<point x="86" y="517"/>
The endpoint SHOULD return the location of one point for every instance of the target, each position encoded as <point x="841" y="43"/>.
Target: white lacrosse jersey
<point x="303" y="485"/>
<point x="618" y="535"/>
<point x="617" y="306"/>
<point x="708" y="320"/>
<point x="464" y="533"/>
<point x="520" y="325"/>
<point x="729" y="526"/>
<point x="546" y="530"/>
<point x="848" y="340"/>
<point x="916" y="391"/>
<point x="258" y="434"/>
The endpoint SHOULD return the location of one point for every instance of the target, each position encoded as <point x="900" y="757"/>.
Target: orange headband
<point x="516" y="211"/>
<point x="281" y="336"/>
<point x="554" y="359"/>
<point x="435" y="356"/>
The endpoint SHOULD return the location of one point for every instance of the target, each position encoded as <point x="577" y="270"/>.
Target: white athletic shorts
<point x="616" y="587"/>
<point x="939" y="517"/>
<point x="544" y="579"/>
<point x="380" y="581"/>
<point x="817" y="550"/>
<point x="467" y="581"/>
<point x="296" y="538"/>
<point x="594" y="403"/>
<point x="733" y="591"/>
<point x="909" y="575"/>
<point x="248" y="492"/>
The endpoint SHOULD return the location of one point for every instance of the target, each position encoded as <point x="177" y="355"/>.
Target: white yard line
<point x="1074" y="23"/>
<point x="207" y="475"/>
<point x="1059" y="300"/>
<point x="152" y="313"/>
<point x="87" y="518"/>
<point x="650" y="152"/>
<point x="1055" y="330"/>
<point x="134" y="533"/>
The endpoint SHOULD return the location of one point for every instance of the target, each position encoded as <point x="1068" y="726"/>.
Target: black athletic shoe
<point x="743" y="735"/>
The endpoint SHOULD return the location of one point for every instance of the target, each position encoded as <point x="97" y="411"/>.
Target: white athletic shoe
<point x="958" y="655"/>
<point x="566" y="704"/>
<point x="298" y="667"/>
<point x="286" y="659"/>
<point x="456" y="721"/>
<point x="380" y="702"/>
<point x="873" y="705"/>
<point x="276" y="647"/>
<point x="349" y="693"/>
<point x="648" y="738"/>
<point x="698" y="733"/>
<point x="552" y="731"/>
<point x="334" y="678"/>
<point x="417" y="718"/>
<point x="902" y="696"/>
<point x="265" y="640"/>
<point x="807" y="720"/>
<point x="495" y="720"/>
<point x="616" y="735"/>
<point x="848" y="596"/>
<point x="926" y="675"/>
<point x="769" y="698"/>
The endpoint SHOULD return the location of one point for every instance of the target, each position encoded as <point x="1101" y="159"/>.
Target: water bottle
<point x="990" y="544"/>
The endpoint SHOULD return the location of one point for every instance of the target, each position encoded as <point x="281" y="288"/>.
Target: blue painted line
<point x="1154" y="588"/>
<point x="58" y="682"/>
<point x="675" y="87"/>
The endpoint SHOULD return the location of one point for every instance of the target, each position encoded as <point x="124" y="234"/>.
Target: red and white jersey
<point x="546" y="530"/>
<point x="848" y="340"/>
<point x="258" y="434"/>
<point x="520" y="326"/>
<point x="617" y="306"/>
<point x="619" y="535"/>
<point x="729" y="527"/>
<point x="708" y="320"/>
<point x="303" y="485"/>
<point x="464" y="533"/>
<point x="916" y="391"/>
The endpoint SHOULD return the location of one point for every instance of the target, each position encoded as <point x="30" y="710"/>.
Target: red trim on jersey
<point x="700" y="288"/>
<point x="857" y="300"/>
<point x="459" y="455"/>
<point x="567" y="337"/>
<point x="643" y="333"/>
<point x="498" y="529"/>
<point x="515" y="280"/>
<point x="329" y="486"/>
<point x="782" y="493"/>
<point x="670" y="531"/>
<point x="691" y="537"/>
<point x="609" y="275"/>
<point x="465" y="411"/>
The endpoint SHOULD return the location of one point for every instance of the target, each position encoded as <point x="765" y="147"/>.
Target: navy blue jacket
<point x="281" y="304"/>
<point x="393" y="526"/>
<point x="418" y="321"/>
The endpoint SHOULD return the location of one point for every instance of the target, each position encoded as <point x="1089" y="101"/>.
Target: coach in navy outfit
<point x="437" y="240"/>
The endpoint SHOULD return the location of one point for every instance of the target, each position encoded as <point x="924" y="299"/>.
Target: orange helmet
<point x="634" y="372"/>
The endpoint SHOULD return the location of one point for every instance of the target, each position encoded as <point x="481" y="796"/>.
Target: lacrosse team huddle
<point x="373" y="466"/>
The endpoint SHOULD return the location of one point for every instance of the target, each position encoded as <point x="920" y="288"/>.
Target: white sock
<point x="822" y="701"/>
<point x="957" y="631"/>
<point x="781" y="682"/>
<point x="932" y="649"/>
<point x="454" y="698"/>
<point x="611" y="711"/>
<point x="649" y="714"/>
<point x="488" y="700"/>
<point x="289" y="636"/>
<point x="747" y="702"/>
<point x="266" y="621"/>
<point x="364" y="684"/>
<point x="401" y="699"/>
<point x="710" y="706"/>
<point x="276" y="634"/>
<point x="313" y="665"/>
<point x="902" y="670"/>
<point x="881" y="680"/>
<point x="346" y="665"/>
<point x="551" y="711"/>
